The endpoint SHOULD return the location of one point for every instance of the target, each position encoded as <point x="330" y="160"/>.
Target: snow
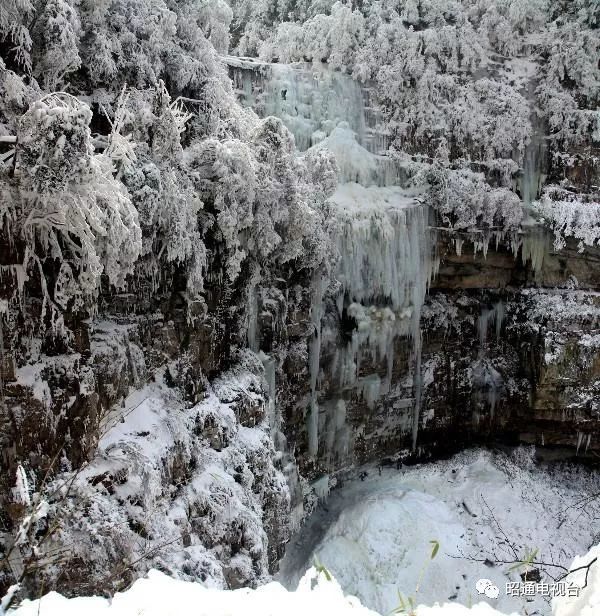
<point x="570" y="218"/>
<point x="588" y="602"/>
<point x="222" y="462"/>
<point x="159" y="595"/>
<point x="374" y="534"/>
<point x="317" y="593"/>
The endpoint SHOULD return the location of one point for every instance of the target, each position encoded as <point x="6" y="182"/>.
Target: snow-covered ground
<point x="159" y="595"/>
<point x="374" y="535"/>
<point x="317" y="594"/>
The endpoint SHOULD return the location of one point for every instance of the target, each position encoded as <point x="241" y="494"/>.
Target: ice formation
<point x="383" y="237"/>
<point x="534" y="247"/>
<point x="310" y="99"/>
<point x="384" y="269"/>
<point x="314" y="356"/>
<point x="383" y="234"/>
<point x="493" y="316"/>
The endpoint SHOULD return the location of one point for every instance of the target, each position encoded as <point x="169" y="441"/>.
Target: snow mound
<point x="317" y="593"/>
<point x="586" y="575"/>
<point x="160" y="595"/>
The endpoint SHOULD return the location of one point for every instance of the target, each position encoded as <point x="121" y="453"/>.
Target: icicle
<point x="338" y="433"/>
<point x="500" y="314"/>
<point x="490" y="317"/>
<point x="321" y="488"/>
<point x="418" y="381"/>
<point x="270" y="378"/>
<point x="535" y="247"/>
<point x="492" y="399"/>
<point x="458" y="245"/>
<point x="385" y="269"/>
<point x="370" y="389"/>
<point x="252" y="314"/>
<point x="314" y="357"/>
<point x="534" y="160"/>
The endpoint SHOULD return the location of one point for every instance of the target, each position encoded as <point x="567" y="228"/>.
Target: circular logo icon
<point x="488" y="588"/>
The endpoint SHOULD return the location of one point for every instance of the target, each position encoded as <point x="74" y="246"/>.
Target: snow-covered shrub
<point x="256" y="189"/>
<point x="568" y="216"/>
<point x="489" y="120"/>
<point x="334" y="38"/>
<point x="139" y="42"/>
<point x="151" y="165"/>
<point x="15" y="100"/>
<point x="466" y="201"/>
<point x="14" y="14"/>
<point x="215" y="20"/>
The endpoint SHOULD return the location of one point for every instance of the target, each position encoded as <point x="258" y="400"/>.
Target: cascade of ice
<point x="273" y="417"/>
<point x="356" y="163"/>
<point x="384" y="248"/>
<point x="534" y="163"/>
<point x="534" y="247"/>
<point x="383" y="240"/>
<point x="252" y="315"/>
<point x="337" y="434"/>
<point x="485" y="377"/>
<point x="494" y="316"/>
<point x="311" y="100"/>
<point x="418" y="380"/>
<point x="536" y="151"/>
<point x="384" y="271"/>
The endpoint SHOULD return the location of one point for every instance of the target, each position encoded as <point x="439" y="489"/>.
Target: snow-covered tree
<point x="57" y="33"/>
<point x="14" y="15"/>
<point x="67" y="204"/>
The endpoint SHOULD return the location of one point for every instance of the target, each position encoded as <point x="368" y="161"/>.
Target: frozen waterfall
<point x="310" y="99"/>
<point x="383" y="235"/>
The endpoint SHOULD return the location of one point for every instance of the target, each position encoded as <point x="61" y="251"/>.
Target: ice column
<point x="314" y="356"/>
<point x="384" y="270"/>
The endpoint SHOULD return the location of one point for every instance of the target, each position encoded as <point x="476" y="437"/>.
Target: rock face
<point x="467" y="363"/>
<point x="535" y="329"/>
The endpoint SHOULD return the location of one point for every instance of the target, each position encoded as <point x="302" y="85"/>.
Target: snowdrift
<point x="317" y="594"/>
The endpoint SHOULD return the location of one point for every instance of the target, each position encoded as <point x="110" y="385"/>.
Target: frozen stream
<point x="374" y="535"/>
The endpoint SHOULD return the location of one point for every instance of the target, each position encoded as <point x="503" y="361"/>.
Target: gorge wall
<point x="218" y="297"/>
<point x="505" y="331"/>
